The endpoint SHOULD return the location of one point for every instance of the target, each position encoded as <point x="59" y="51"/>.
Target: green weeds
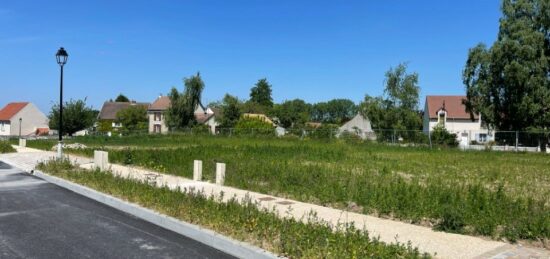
<point x="241" y="220"/>
<point x="495" y="194"/>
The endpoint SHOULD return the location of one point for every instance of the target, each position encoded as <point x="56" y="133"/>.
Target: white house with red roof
<point x="22" y="118"/>
<point x="450" y="112"/>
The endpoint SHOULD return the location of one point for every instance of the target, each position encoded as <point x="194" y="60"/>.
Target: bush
<point x="254" y="127"/>
<point x="350" y="137"/>
<point x="200" y="129"/>
<point x="325" y="131"/>
<point x="5" y="147"/>
<point x="440" y="136"/>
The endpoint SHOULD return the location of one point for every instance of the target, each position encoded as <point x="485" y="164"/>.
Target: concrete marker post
<point x="197" y="170"/>
<point x="22" y="142"/>
<point x="97" y="158"/>
<point x="220" y="173"/>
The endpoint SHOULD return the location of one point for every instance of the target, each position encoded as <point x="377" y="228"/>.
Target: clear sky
<point x="313" y="50"/>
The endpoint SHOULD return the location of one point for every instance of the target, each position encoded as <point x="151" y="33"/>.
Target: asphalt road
<point x="41" y="220"/>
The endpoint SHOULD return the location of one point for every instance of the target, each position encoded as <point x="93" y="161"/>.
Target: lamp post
<point x="20" y="122"/>
<point x="61" y="57"/>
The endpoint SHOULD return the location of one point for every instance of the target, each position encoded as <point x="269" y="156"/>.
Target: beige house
<point x="157" y="122"/>
<point x="22" y="118"/>
<point x="360" y="126"/>
<point x="450" y="112"/>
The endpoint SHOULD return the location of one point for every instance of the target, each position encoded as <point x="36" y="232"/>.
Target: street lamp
<point x="20" y="122"/>
<point x="61" y="57"/>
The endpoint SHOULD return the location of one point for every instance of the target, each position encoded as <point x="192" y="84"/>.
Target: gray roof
<point x="110" y="109"/>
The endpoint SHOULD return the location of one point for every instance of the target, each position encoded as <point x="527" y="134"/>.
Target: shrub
<point x="254" y="126"/>
<point x="440" y="136"/>
<point x="5" y="147"/>
<point x="325" y="131"/>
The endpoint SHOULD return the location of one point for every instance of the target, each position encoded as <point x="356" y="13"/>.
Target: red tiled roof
<point x="11" y="109"/>
<point x="160" y="104"/>
<point x="453" y="105"/>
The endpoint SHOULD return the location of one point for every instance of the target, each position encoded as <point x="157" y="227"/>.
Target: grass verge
<point x="241" y="220"/>
<point x="5" y="147"/>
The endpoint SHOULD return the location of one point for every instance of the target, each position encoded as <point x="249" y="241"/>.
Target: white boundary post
<point x="197" y="170"/>
<point x="220" y="173"/>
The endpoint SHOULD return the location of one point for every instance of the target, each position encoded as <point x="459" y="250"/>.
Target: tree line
<point x="508" y="84"/>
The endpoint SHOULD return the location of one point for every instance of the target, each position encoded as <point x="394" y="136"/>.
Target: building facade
<point x="450" y="112"/>
<point x="22" y="119"/>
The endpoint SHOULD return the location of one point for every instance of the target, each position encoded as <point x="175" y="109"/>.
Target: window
<point x="482" y="137"/>
<point x="158" y="116"/>
<point x="156" y="128"/>
<point x="441" y="117"/>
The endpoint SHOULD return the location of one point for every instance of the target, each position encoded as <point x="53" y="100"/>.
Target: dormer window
<point x="441" y="117"/>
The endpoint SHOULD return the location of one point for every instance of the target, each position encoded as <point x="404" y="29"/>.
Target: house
<point x="259" y="116"/>
<point x="157" y="122"/>
<point x="22" y="118"/>
<point x="358" y="125"/>
<point x="450" y="112"/>
<point x="107" y="116"/>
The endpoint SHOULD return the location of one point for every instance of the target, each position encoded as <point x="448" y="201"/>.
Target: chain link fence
<point x="468" y="140"/>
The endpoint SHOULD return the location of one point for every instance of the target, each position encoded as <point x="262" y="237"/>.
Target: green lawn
<point x="501" y="195"/>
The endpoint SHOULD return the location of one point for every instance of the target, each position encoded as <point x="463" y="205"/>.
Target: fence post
<point x="220" y="173"/>
<point x="430" y="137"/>
<point x="517" y="137"/>
<point x="197" y="170"/>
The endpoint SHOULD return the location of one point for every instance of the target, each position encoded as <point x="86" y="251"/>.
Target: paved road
<point x="41" y="220"/>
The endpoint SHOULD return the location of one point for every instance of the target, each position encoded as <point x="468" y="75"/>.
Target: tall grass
<point x="501" y="195"/>
<point x="241" y="220"/>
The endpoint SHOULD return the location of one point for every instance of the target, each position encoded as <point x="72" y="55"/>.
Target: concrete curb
<point x="205" y="236"/>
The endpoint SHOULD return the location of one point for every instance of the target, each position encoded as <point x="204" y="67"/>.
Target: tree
<point x="508" y="84"/>
<point x="335" y="111"/>
<point x="122" y="98"/>
<point x="76" y="116"/>
<point x="261" y="93"/>
<point x="292" y="113"/>
<point x="230" y="111"/>
<point x="397" y="109"/>
<point x="133" y="118"/>
<point x="181" y="113"/>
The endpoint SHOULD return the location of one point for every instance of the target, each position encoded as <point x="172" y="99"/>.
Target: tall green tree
<point x="230" y="111"/>
<point x="133" y="119"/>
<point x="261" y="93"/>
<point x="181" y="113"/>
<point x="122" y="98"/>
<point x="335" y="111"/>
<point x="397" y="109"/>
<point x="508" y="84"/>
<point x="76" y="116"/>
<point x="292" y="112"/>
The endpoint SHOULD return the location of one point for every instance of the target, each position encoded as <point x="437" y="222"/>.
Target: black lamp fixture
<point x="61" y="57"/>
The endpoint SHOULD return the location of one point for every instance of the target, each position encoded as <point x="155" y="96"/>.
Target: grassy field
<point x="241" y="220"/>
<point x="495" y="194"/>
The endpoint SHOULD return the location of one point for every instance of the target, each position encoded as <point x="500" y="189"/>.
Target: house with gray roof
<point x="106" y="119"/>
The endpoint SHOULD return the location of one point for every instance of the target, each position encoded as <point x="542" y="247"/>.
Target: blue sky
<point x="313" y="50"/>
